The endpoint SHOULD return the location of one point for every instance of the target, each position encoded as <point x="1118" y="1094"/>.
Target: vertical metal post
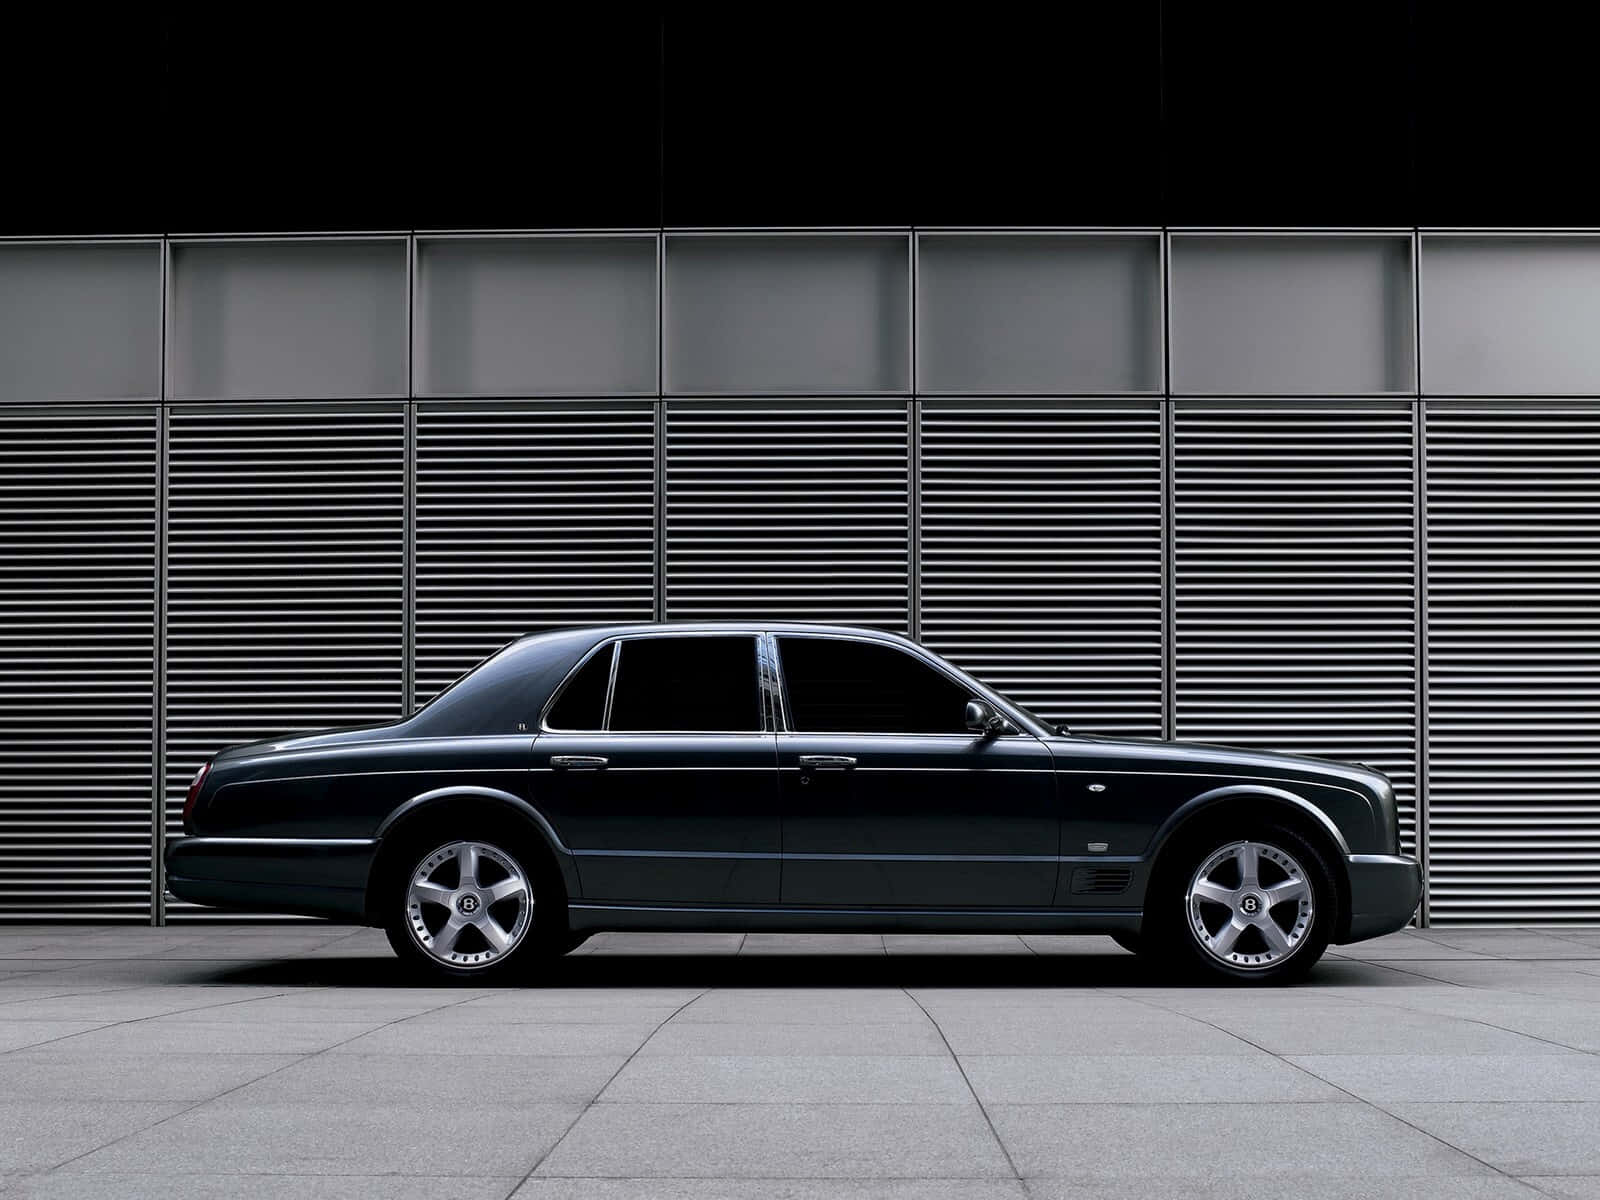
<point x="158" y="715"/>
<point x="1420" y="466"/>
<point x="1169" y="683"/>
<point x="660" y="584"/>
<point x="408" y="602"/>
<point x="914" y="460"/>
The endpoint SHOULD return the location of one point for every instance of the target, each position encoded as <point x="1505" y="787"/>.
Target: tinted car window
<point x="582" y="703"/>
<point x="687" y="685"/>
<point x="839" y="686"/>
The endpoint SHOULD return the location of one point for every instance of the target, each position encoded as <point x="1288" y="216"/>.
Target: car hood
<point x="1156" y="752"/>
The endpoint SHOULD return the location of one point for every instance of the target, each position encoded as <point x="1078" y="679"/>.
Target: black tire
<point x="1170" y="922"/>
<point x="544" y="936"/>
<point x="1133" y="943"/>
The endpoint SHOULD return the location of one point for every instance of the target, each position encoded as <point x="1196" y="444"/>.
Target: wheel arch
<point x="431" y="805"/>
<point x="1260" y="800"/>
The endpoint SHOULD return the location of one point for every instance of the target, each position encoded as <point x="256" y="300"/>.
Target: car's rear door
<point x="888" y="800"/>
<point x="672" y="796"/>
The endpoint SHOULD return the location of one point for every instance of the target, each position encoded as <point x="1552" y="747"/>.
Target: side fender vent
<point x="1100" y="881"/>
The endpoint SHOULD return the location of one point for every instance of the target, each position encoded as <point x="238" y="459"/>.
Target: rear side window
<point x="687" y="685"/>
<point x="582" y="703"/>
<point x="837" y="686"/>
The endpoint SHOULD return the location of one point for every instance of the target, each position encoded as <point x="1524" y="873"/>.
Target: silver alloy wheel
<point x="1242" y="919"/>
<point x="469" y="904"/>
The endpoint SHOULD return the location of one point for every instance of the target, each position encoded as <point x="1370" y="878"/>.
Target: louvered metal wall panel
<point x="1514" y="661"/>
<point x="285" y="576"/>
<point x="77" y="652"/>
<point x="1041" y="553"/>
<point x="788" y="510"/>
<point x="1295" y="564"/>
<point x="530" y="515"/>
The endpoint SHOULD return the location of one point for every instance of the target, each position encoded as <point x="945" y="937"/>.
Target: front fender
<point x="1246" y="791"/>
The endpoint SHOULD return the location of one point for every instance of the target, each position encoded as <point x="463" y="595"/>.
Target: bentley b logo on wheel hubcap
<point x="1250" y="905"/>
<point x="468" y="904"/>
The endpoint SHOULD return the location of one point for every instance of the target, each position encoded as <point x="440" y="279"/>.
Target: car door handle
<point x="827" y="762"/>
<point x="578" y="762"/>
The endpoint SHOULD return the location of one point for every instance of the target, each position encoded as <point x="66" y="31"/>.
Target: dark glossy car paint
<point x="1028" y="830"/>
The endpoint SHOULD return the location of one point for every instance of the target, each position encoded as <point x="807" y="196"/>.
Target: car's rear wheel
<point x="473" y="906"/>
<point x="1255" y="908"/>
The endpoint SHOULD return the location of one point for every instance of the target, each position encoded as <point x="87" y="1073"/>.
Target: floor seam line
<point x="1005" y="1150"/>
<point x="595" y="1099"/>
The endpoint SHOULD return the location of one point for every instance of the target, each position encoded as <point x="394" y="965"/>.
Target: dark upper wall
<point x="1137" y="112"/>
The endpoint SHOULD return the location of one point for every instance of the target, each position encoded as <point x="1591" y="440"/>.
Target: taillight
<point x="194" y="793"/>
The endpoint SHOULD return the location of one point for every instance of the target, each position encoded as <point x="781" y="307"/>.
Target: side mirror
<point x="982" y="718"/>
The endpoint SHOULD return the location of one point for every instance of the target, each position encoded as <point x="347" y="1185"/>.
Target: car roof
<point x="601" y="632"/>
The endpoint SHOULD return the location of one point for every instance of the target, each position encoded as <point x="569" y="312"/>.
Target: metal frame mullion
<point x="1169" y="682"/>
<point x="158" y="715"/>
<point x="1421" y="814"/>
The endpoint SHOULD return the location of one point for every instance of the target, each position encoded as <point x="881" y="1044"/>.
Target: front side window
<point x="838" y="686"/>
<point x="687" y="685"/>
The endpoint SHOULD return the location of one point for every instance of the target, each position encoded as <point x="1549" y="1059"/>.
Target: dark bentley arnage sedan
<point x="784" y="777"/>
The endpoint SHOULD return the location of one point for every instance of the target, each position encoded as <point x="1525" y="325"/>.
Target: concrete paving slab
<point x="166" y="1035"/>
<point x="1566" y="1187"/>
<point x="15" y="1035"/>
<point x="414" y="1138"/>
<point x="454" y="1078"/>
<point x="794" y="1079"/>
<point x="1519" y="1138"/>
<point x="1398" y="1078"/>
<point x="804" y="1067"/>
<point x="1288" y="1185"/>
<point x="1152" y="1079"/>
<point x="44" y="1075"/>
<point x="756" y="1039"/>
<point x="1373" y="1030"/>
<point x="45" y="1133"/>
<point x="849" y="1141"/>
<point x="1106" y="1141"/>
<point x="771" y="1189"/>
<point x="509" y="1039"/>
<point x="261" y="1187"/>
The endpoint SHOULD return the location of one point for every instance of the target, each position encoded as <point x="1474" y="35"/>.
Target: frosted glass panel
<point x="567" y="316"/>
<point x="288" y="319"/>
<point x="787" y="314"/>
<point x="1510" y="315"/>
<point x="1036" y="313"/>
<point x="80" y="322"/>
<point x="1291" y="314"/>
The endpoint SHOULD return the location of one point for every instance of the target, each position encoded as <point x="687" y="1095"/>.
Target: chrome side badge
<point x="1098" y="847"/>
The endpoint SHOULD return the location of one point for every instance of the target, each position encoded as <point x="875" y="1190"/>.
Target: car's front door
<point x="659" y="774"/>
<point x="888" y="800"/>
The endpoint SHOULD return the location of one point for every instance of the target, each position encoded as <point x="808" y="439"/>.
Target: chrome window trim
<point x="1025" y="728"/>
<point x="615" y="642"/>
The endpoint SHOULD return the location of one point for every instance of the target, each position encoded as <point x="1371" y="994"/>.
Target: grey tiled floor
<point x="295" y="1061"/>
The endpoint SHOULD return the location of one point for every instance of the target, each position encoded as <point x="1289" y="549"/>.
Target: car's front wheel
<point x="469" y="906"/>
<point x="1256" y="908"/>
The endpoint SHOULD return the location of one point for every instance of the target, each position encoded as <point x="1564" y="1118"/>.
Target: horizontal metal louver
<point x="788" y="510"/>
<point x="1513" y="527"/>
<point x="1041" y="541"/>
<point x="77" y="653"/>
<point x="530" y="515"/>
<point x="285" y="575"/>
<point x="1295" y="604"/>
